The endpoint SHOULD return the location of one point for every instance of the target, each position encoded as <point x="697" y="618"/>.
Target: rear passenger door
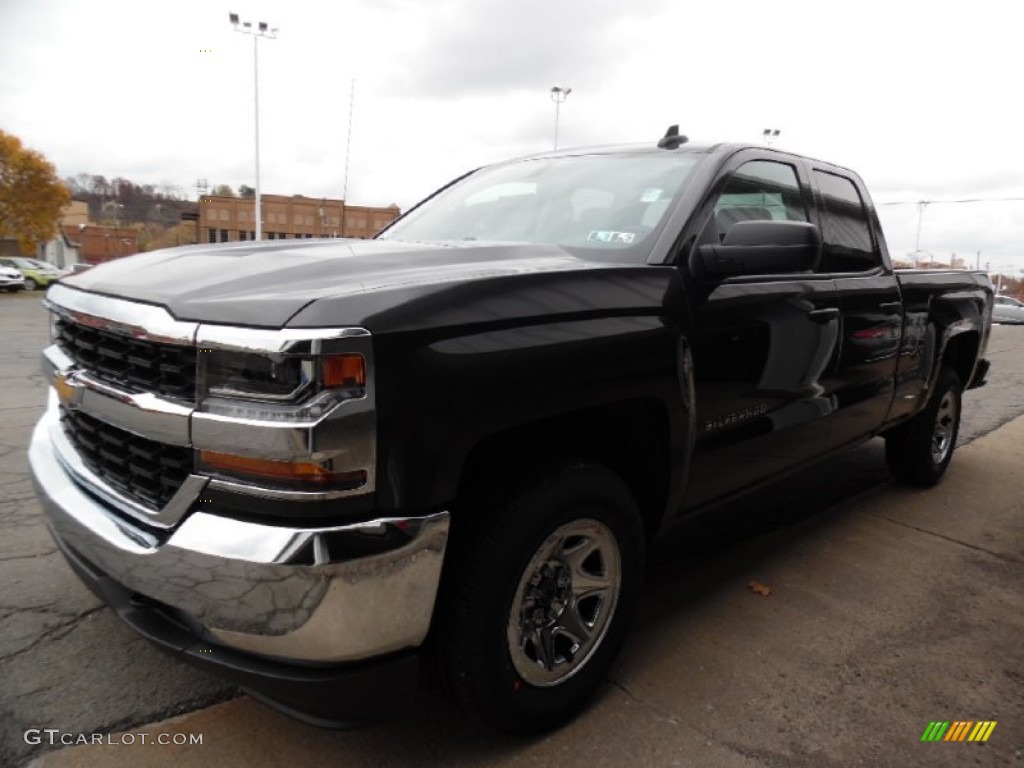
<point x="863" y="382"/>
<point x="760" y="343"/>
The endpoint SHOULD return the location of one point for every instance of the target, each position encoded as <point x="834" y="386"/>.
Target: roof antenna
<point x="671" y="139"/>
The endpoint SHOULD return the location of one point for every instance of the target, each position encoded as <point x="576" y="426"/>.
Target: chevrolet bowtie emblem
<point x="68" y="392"/>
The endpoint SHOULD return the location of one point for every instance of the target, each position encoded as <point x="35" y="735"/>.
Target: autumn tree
<point x="223" y="190"/>
<point x="31" y="195"/>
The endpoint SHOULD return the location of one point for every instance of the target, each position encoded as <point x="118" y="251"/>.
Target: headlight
<point x="272" y="387"/>
<point x="254" y="376"/>
<point x="292" y="410"/>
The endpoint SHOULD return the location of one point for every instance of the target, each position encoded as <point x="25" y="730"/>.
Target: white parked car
<point x="11" y="279"/>
<point x="1008" y="310"/>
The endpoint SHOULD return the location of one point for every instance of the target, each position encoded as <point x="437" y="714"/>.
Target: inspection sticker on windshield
<point x="650" y="195"/>
<point x="610" y="236"/>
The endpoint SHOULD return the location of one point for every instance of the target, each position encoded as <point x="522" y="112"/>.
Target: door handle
<point x="824" y="315"/>
<point x="891" y="307"/>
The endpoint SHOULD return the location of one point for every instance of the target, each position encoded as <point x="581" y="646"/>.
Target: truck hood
<point x="366" y="283"/>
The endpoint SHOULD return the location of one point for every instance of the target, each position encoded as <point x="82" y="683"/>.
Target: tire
<point x="30" y="284"/>
<point x="920" y="451"/>
<point x="541" y="598"/>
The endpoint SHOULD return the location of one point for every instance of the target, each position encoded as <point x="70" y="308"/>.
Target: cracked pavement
<point x="65" y="660"/>
<point x="890" y="606"/>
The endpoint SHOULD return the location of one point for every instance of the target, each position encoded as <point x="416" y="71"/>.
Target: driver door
<point x="762" y="344"/>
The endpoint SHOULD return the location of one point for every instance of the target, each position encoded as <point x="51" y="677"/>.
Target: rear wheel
<point x="542" y="598"/>
<point x="920" y="451"/>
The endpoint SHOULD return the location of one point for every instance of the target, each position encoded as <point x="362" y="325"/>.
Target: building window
<point x="224" y="236"/>
<point x="223" y="214"/>
<point x="211" y="233"/>
<point x="241" y="234"/>
<point x="252" y="235"/>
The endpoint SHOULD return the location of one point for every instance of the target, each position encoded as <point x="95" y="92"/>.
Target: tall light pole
<point x="348" y="152"/>
<point x="261" y="30"/>
<point x="558" y="95"/>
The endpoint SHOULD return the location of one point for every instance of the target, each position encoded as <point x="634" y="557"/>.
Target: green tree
<point x="246" y="191"/>
<point x="31" y="195"/>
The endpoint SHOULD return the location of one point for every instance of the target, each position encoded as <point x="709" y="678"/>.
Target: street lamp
<point x="558" y="95"/>
<point x="770" y="135"/>
<point x="261" y="30"/>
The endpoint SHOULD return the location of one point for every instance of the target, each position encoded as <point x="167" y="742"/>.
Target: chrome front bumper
<point x="335" y="594"/>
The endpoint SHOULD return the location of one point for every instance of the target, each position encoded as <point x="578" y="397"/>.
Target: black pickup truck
<point x="308" y="466"/>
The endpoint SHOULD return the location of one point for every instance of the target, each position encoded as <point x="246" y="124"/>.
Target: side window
<point x="845" y="229"/>
<point x="759" y="190"/>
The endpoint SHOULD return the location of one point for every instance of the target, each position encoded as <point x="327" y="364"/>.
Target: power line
<point x="966" y="200"/>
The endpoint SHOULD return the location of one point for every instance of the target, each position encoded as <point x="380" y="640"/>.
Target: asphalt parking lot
<point x="889" y="608"/>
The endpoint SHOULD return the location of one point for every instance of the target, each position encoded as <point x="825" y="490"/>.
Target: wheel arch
<point x="960" y="353"/>
<point x="630" y="437"/>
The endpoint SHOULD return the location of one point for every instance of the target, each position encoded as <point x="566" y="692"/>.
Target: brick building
<point x="75" y="213"/>
<point x="230" y="219"/>
<point x="97" y="244"/>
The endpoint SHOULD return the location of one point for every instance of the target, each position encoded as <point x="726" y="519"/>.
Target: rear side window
<point x="845" y="229"/>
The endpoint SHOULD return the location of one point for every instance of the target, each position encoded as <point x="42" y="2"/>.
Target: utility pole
<point x="920" y="215"/>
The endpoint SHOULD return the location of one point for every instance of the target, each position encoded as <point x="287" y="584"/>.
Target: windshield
<point x="600" y="203"/>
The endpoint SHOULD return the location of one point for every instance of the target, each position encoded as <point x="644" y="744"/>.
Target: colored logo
<point x="959" y="730"/>
<point x="67" y="390"/>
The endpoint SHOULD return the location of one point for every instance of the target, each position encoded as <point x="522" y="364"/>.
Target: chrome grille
<point x="144" y="470"/>
<point x="137" y="365"/>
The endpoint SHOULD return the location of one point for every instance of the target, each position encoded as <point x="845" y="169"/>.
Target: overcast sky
<point x="923" y="99"/>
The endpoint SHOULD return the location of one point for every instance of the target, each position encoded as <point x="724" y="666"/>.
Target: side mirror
<point x="760" y="248"/>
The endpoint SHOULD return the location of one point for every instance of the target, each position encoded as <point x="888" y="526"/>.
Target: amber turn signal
<point x="348" y="371"/>
<point x="301" y="471"/>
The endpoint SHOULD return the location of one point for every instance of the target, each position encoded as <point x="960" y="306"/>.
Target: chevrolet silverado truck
<point x="312" y="466"/>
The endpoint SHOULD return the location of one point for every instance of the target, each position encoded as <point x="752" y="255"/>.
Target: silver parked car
<point x="1008" y="310"/>
<point x="11" y="279"/>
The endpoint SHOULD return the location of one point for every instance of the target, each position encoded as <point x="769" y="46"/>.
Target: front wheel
<point x="542" y="597"/>
<point x="920" y="451"/>
<point x="30" y="284"/>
